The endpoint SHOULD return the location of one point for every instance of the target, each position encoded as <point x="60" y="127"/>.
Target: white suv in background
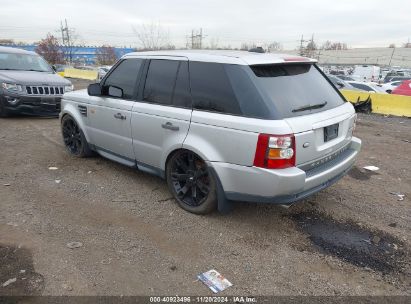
<point x="218" y="126"/>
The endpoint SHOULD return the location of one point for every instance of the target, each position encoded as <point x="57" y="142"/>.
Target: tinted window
<point x="292" y="86"/>
<point x="182" y="96"/>
<point x="160" y="81"/>
<point x="124" y="77"/>
<point x="248" y="97"/>
<point x="211" y="90"/>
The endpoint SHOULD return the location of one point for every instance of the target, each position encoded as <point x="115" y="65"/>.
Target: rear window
<point x="292" y="87"/>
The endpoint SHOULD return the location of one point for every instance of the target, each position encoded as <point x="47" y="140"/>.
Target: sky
<point x="361" y="23"/>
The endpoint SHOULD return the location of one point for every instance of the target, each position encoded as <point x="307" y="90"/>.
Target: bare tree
<point x="106" y="55"/>
<point x="153" y="37"/>
<point x="6" y="41"/>
<point x="328" y="45"/>
<point x="246" y="46"/>
<point x="49" y="48"/>
<point x="274" y="46"/>
<point x="214" y="42"/>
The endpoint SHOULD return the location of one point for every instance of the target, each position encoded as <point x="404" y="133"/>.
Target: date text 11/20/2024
<point x="204" y="299"/>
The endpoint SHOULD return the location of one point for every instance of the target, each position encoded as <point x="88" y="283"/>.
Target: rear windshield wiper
<point x="32" y="70"/>
<point x="310" y="107"/>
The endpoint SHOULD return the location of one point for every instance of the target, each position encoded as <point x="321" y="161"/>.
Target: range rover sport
<point x="218" y="126"/>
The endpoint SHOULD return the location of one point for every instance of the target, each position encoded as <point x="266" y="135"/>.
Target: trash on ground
<point x="73" y="245"/>
<point x="6" y="185"/>
<point x="399" y="195"/>
<point x="371" y="168"/>
<point x="53" y="168"/>
<point x="214" y="280"/>
<point x="106" y="261"/>
<point x="58" y="181"/>
<point x="89" y="172"/>
<point x="67" y="287"/>
<point x="375" y="240"/>
<point x="22" y="271"/>
<point x="8" y="282"/>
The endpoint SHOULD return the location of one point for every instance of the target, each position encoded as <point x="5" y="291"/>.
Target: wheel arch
<point x="71" y="110"/>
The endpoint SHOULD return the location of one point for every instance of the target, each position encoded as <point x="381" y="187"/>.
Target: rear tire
<point x="191" y="182"/>
<point x="74" y="139"/>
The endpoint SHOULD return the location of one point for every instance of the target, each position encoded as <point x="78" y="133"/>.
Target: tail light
<point x="275" y="151"/>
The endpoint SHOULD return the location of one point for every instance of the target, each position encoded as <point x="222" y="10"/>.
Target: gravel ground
<point x="135" y="240"/>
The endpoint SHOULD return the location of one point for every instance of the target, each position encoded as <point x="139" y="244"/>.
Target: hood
<point x="32" y="78"/>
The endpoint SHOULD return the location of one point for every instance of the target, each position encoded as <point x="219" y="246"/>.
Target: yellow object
<point x="391" y="104"/>
<point x="61" y="73"/>
<point x="274" y="153"/>
<point x="81" y="74"/>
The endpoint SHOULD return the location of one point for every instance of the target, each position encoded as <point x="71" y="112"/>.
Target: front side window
<point x="123" y="77"/>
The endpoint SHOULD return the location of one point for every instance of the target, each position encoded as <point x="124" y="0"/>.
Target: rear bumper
<point x="41" y="106"/>
<point x="252" y="184"/>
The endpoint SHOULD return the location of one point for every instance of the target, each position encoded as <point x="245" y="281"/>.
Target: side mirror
<point x="54" y="68"/>
<point x="340" y="85"/>
<point x="115" y="92"/>
<point x="94" y="89"/>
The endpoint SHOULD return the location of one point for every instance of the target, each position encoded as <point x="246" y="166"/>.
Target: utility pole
<point x="201" y="38"/>
<point x="301" y="45"/>
<point x="197" y="39"/>
<point x="65" y="37"/>
<point x="302" y="53"/>
<point x="392" y="55"/>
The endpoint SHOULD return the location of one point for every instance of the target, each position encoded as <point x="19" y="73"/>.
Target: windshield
<point x="296" y="86"/>
<point x="23" y="62"/>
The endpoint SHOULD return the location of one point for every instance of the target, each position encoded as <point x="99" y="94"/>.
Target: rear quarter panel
<point x="227" y="138"/>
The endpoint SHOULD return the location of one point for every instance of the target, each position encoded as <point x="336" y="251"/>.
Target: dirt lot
<point x="351" y="239"/>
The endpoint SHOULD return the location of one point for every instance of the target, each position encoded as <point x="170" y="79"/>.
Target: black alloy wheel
<point x="73" y="138"/>
<point x="191" y="183"/>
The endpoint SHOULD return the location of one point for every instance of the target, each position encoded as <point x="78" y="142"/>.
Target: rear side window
<point x="211" y="89"/>
<point x="124" y="76"/>
<point x="291" y="87"/>
<point x="167" y="83"/>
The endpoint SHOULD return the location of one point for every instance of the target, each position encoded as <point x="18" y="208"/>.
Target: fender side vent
<point x="83" y="110"/>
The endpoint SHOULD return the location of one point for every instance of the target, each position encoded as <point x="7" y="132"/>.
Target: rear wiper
<point x="310" y="107"/>
<point x="31" y="70"/>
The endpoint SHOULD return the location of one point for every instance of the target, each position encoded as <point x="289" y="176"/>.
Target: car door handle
<point x="169" y="126"/>
<point x="120" y="116"/>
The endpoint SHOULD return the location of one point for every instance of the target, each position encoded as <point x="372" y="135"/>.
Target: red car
<point x="403" y="89"/>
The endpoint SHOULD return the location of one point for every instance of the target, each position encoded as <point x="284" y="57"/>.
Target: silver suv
<point x="218" y="126"/>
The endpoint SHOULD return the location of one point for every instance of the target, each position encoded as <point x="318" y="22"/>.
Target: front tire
<point x="73" y="137"/>
<point x="3" y="111"/>
<point x="191" y="182"/>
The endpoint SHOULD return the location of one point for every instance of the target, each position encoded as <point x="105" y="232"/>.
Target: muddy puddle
<point x="353" y="244"/>
<point x="17" y="275"/>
